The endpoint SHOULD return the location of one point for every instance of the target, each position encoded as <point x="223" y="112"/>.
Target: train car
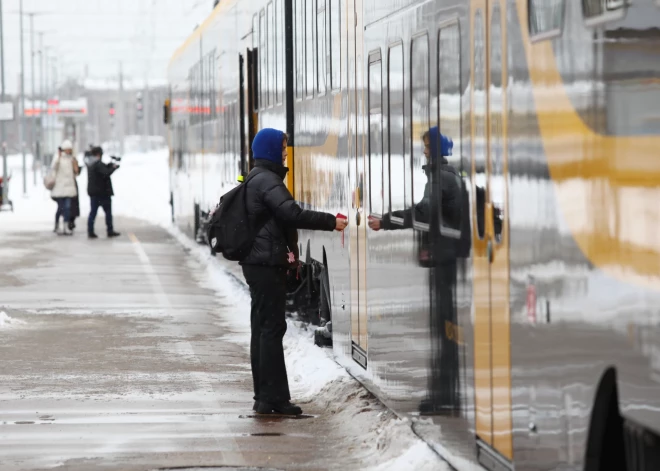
<point x="499" y="281"/>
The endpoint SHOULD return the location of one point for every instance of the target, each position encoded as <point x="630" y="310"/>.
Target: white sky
<point x="99" y="34"/>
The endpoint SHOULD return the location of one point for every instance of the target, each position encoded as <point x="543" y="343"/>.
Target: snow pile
<point x="35" y="210"/>
<point x="385" y="441"/>
<point x="308" y="366"/>
<point x="142" y="187"/>
<point x="7" y="322"/>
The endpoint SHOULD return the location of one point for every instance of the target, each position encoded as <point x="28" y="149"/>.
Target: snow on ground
<point x="142" y="191"/>
<point x="7" y="322"/>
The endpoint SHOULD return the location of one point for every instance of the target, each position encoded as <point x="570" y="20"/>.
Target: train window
<point x="545" y="18"/>
<point x="211" y="76"/>
<point x="279" y="45"/>
<point x="497" y="184"/>
<point x="449" y="119"/>
<point x="271" y="54"/>
<point x="603" y="9"/>
<point x="321" y="46"/>
<point x="236" y="136"/>
<point x="300" y="48"/>
<point x="255" y="64"/>
<point x="396" y="132"/>
<point x="335" y="44"/>
<point x="310" y="18"/>
<point x="419" y="99"/>
<point x="479" y="132"/>
<point x="375" y="85"/>
<point x="263" y="55"/>
<point x="255" y="32"/>
<point x="192" y="78"/>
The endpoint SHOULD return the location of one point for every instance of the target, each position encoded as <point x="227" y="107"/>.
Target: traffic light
<point x="139" y="109"/>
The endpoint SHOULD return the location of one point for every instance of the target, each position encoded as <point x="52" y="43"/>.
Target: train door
<point x="252" y="109"/>
<point x="357" y="147"/>
<point x="490" y="235"/>
<point x="242" y="124"/>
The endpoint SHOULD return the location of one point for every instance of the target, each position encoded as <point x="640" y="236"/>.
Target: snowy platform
<point x="132" y="354"/>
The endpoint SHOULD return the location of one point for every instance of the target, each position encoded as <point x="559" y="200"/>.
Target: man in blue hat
<point x="274" y="251"/>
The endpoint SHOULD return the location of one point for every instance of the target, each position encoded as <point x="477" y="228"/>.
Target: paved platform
<point x="124" y="361"/>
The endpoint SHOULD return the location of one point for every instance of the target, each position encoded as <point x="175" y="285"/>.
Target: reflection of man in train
<point x="435" y="144"/>
<point x="449" y="241"/>
<point x="443" y="205"/>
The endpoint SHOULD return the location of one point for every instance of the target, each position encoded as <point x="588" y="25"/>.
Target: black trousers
<point x="97" y="202"/>
<point x="268" y="323"/>
<point x="444" y="380"/>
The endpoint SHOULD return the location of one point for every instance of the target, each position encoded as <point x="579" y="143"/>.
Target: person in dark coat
<point x="274" y="251"/>
<point x="99" y="189"/>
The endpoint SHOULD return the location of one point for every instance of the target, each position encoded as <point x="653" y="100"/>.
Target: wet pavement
<point x="123" y="361"/>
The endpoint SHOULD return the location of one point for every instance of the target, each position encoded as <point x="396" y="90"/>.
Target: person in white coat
<point x="65" y="167"/>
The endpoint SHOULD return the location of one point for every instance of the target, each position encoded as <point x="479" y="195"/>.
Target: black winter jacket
<point x="99" y="182"/>
<point x="268" y="198"/>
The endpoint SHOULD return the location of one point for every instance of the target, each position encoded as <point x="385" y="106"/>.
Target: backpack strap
<point x="259" y="224"/>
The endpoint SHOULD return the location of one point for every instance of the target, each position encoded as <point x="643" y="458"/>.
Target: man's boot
<point x="113" y="234"/>
<point x="284" y="408"/>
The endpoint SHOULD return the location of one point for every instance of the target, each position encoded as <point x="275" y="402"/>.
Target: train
<point x="501" y="291"/>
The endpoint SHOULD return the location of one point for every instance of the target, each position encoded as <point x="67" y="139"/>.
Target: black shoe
<point x="72" y="225"/>
<point x="91" y="235"/>
<point x="113" y="234"/>
<point x="284" y="408"/>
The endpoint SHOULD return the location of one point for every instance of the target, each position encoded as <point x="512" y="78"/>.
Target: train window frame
<point x="445" y="230"/>
<point x="279" y="47"/>
<point x="393" y="45"/>
<point x="255" y="31"/>
<point x="608" y="16"/>
<point x="538" y="36"/>
<point x="271" y="59"/>
<point x="262" y="57"/>
<point x="497" y="142"/>
<point x="299" y="48"/>
<point x="321" y="55"/>
<point x="480" y="210"/>
<point x="375" y="57"/>
<point x="335" y="7"/>
<point x="310" y="48"/>
<point x="421" y="226"/>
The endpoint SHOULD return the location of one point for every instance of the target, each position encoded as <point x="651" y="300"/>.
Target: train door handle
<point x="358" y="218"/>
<point x="490" y="252"/>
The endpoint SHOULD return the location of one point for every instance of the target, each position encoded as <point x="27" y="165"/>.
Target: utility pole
<point x="21" y="123"/>
<point x="35" y="145"/>
<point x="121" y="109"/>
<point x="5" y="183"/>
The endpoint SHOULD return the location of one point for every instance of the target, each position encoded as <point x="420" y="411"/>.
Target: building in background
<point x="128" y="117"/>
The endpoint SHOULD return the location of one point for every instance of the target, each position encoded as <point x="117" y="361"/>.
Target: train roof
<point x="194" y="36"/>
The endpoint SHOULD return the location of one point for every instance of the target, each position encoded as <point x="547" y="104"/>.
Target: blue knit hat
<point x="446" y="144"/>
<point x="267" y="145"/>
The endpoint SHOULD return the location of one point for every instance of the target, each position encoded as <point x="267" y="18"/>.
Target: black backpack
<point x="230" y="231"/>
